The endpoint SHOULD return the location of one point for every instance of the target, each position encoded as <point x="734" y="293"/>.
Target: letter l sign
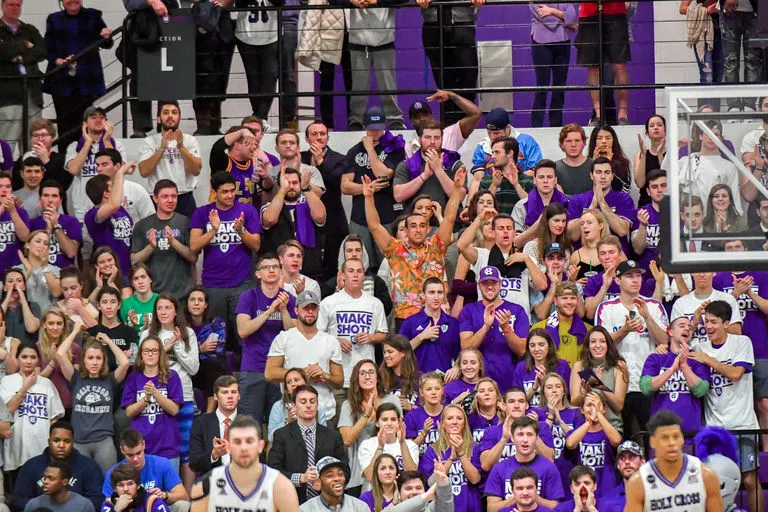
<point x="164" y="60"/>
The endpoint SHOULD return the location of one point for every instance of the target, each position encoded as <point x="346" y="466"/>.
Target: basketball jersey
<point x="686" y="494"/>
<point x="223" y="495"/>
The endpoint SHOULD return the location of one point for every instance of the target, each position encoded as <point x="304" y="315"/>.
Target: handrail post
<point x="25" y="115"/>
<point x="441" y="60"/>
<point x="601" y="102"/>
<point x="124" y="85"/>
<point x="280" y="84"/>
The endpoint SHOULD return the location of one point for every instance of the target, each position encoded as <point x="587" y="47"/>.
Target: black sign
<point x="169" y="72"/>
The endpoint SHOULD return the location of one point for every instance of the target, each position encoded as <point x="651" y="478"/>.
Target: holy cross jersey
<point x="685" y="494"/>
<point x="223" y="495"/>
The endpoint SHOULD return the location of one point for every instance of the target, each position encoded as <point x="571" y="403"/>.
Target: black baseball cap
<point x="627" y="267"/>
<point x="374" y="119"/>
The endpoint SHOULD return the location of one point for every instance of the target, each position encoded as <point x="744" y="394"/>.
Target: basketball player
<point x="245" y="483"/>
<point x="672" y="480"/>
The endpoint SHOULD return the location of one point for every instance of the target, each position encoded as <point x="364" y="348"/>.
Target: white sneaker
<point x="268" y="128"/>
<point x="733" y="109"/>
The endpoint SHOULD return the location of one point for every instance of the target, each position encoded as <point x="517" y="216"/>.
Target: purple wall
<point x="506" y="22"/>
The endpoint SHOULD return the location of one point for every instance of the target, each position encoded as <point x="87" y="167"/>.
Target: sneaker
<point x="355" y="127"/>
<point x="268" y="128"/>
<point x="397" y="126"/>
<point x="138" y="134"/>
<point x="595" y="121"/>
<point x="733" y="109"/>
<point x="623" y="121"/>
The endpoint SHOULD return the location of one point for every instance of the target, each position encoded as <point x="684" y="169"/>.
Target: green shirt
<point x="506" y="195"/>
<point x="141" y="309"/>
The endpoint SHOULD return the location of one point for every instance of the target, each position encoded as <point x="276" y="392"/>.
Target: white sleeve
<point x="414" y="449"/>
<point x="278" y="346"/>
<point x="71" y="152"/>
<point x="143" y="202"/>
<point x="659" y="314"/>
<point x="745" y="353"/>
<point x="57" y="409"/>
<point x="379" y="318"/>
<point x="121" y="149"/>
<point x="733" y="178"/>
<point x="188" y="359"/>
<point x="192" y="145"/>
<point x="748" y="143"/>
<point x="323" y="316"/>
<point x="261" y="217"/>
<point x="147" y="149"/>
<point x="677" y="310"/>
<point x="312" y="286"/>
<point x="366" y="451"/>
<point x="8" y="388"/>
<point x="335" y="351"/>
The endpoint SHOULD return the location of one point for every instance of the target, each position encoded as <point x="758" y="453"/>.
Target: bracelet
<point x="422" y="178"/>
<point x="379" y="449"/>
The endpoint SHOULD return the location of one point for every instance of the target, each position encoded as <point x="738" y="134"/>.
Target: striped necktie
<point x="309" y="438"/>
<point x="227" y="421"/>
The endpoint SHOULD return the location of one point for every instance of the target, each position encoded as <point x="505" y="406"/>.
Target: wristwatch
<point x="57" y="226"/>
<point x="308" y="189"/>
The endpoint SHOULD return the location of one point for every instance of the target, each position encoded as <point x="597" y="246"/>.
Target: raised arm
<point x="380" y="234"/>
<point x="445" y="232"/>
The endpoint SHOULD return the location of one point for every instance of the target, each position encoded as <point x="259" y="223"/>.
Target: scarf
<point x="304" y="226"/>
<point x="102" y="146"/>
<point x="535" y="205"/>
<point x="496" y="259"/>
<point x="416" y="163"/>
<point x="699" y="28"/>
<point x="391" y="142"/>
<point x="577" y="329"/>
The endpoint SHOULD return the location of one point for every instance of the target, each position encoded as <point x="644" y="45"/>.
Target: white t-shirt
<point x="367" y="451"/>
<point x="637" y="345"/>
<point x="171" y="165"/>
<point x="513" y="289"/>
<point x="137" y="202"/>
<point x="310" y="285"/>
<point x="730" y="404"/>
<point x="315" y="177"/>
<point x="79" y="202"/>
<point x="688" y="304"/>
<point x="343" y="316"/>
<point x="300" y="352"/>
<point x="31" y="421"/>
<point x="699" y="173"/>
<point x="257" y="28"/>
<point x="750" y="140"/>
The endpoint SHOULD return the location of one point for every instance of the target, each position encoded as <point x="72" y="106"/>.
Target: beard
<point x="292" y="195"/>
<point x="169" y="126"/>
<point x="308" y="323"/>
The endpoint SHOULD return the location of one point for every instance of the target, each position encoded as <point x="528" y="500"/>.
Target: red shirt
<point x="589" y="9"/>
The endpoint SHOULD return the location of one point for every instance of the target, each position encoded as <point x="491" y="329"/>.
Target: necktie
<point x="227" y="421"/>
<point x="309" y="438"/>
<point x="691" y="246"/>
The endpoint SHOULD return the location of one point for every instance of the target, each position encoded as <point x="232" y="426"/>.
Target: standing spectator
<point x="738" y="24"/>
<point x="603" y="142"/>
<point x="64" y="230"/>
<point x="298" y="446"/>
<point x="125" y="337"/>
<point x="172" y="154"/>
<point x="332" y="167"/>
<point x="540" y="359"/>
<point x="207" y="444"/>
<point x="646" y="229"/>
<point x="254" y="184"/>
<point x="56" y="495"/>
<point x="14" y="224"/>
<point x="504" y="179"/>
<point x="304" y="346"/>
<point x="137" y="309"/>
<point x="29" y="194"/>
<point x="250" y="127"/>
<point x="80" y="83"/>
<point x="213" y="60"/>
<point x="454" y="135"/>
<point x="498" y="126"/>
<point x="615" y="50"/>
<point x="162" y="241"/>
<point x="283" y="412"/>
<point x="287" y="146"/>
<point x="291" y="255"/>
<point x="574" y="168"/>
<point x="42" y="132"/>
<point x="211" y="336"/>
<point x="43" y="283"/>
<point x="390" y="438"/>
<point x="262" y="312"/>
<point x="649" y="159"/>
<point x="22" y="47"/>
<point x="552" y="26"/>
<point x="372" y="45"/>
<point x="376" y="156"/>
<point x="332" y="479"/>
<point x="54" y="330"/>
<point x="225" y="230"/>
<point x="430" y="171"/>
<point x="105" y="271"/>
<point x="135" y="198"/>
<point x="22" y="317"/>
<point x="527" y="212"/>
<point x="629" y="458"/>
<point x="567" y="329"/>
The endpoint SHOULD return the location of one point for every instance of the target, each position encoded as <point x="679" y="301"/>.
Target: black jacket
<point x="333" y="166"/>
<point x="14" y="45"/>
<point x="204" y="429"/>
<point x="289" y="451"/>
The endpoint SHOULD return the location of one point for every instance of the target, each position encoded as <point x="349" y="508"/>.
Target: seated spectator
<point x="283" y="411"/>
<point x="208" y="447"/>
<point x="172" y="155"/>
<point x="690" y="305"/>
<point x="400" y="373"/>
<point x="225" y="230"/>
<point x="155" y="475"/>
<point x="56" y="495"/>
<point x="593" y="226"/>
<point x="250" y="126"/>
<point x="470" y="369"/>
<point x="14" y="224"/>
<point x="132" y="496"/>
<point x="22" y="317"/>
<point x="304" y="346"/>
<point x="539" y="360"/>
<point x="603" y="142"/>
<point x="332" y="166"/>
<point x="567" y="329"/>
<point x="29" y="194"/>
<point x="376" y="157"/>
<point x="574" y="168"/>
<point x="391" y="439"/>
<point x="137" y="309"/>
<point x="86" y="480"/>
<point x="81" y="159"/>
<point x="454" y="135"/>
<point x="42" y="132"/>
<point x="211" y="336"/>
<point x="43" y="283"/>
<point x="254" y="184"/>
<point x="646" y="228"/>
<point x="125" y="337"/>
<point x="503" y="179"/>
<point x="721" y="216"/>
<point x="433" y="333"/>
<point x="498" y="127"/>
<point x="295" y="212"/>
<point x="75" y="307"/>
<point x="331" y="481"/>
<point x="291" y="255"/>
<point x="485" y="408"/>
<point x="64" y="230"/>
<point x="135" y="198"/>
<point x="602" y="357"/>
<point x="105" y="271"/>
<point x="527" y="212"/>
<point x="34" y="403"/>
<point x="430" y="171"/>
<point x="152" y="398"/>
<point x="543" y="305"/>
<point x="108" y="223"/>
<point x="298" y="445"/>
<point x="415" y="495"/>
<point x="54" y="331"/>
<point x="649" y="159"/>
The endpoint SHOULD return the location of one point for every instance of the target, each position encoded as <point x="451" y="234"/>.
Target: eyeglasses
<point x="41" y="135"/>
<point x="269" y="267"/>
<point x="369" y="373"/>
<point x="151" y="351"/>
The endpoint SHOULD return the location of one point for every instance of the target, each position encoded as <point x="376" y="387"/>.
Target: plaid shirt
<point x="66" y="35"/>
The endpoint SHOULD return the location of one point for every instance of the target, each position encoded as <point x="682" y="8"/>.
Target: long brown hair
<point x="409" y="368"/>
<point x="355" y="393"/>
<point x="47" y="347"/>
<point x="93" y="343"/>
<point x="376" y="488"/>
<point x="180" y="319"/>
<point x="552" y="359"/>
<point x="119" y="280"/>
<point x="612" y="357"/>
<point x="545" y="237"/>
<point x="163" y="368"/>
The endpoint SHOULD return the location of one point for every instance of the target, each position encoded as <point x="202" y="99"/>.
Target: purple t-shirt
<point x="414" y="423"/>
<point x="434" y="354"/>
<point x="71" y="228"/>
<point x="226" y="259"/>
<point x="595" y="282"/>
<point x="564" y="459"/>
<point x="493" y="435"/>
<point x="478" y="425"/>
<point x="10" y="245"/>
<point x="466" y="497"/>
<point x="160" y="430"/>
<point x="651" y="237"/>
<point x="367" y="498"/>
<point x="499" y="482"/>
<point x="524" y="378"/>
<point x="596" y="451"/>
<point x="455" y="388"/>
<point x="114" y="232"/>
<point x="675" y="395"/>
<point x="499" y="359"/>
<point x="620" y="202"/>
<point x="256" y="346"/>
<point x="753" y="320"/>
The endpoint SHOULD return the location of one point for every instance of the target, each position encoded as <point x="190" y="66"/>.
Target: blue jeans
<point x="550" y="63"/>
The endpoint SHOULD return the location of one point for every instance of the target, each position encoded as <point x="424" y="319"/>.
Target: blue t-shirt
<point x="157" y="472"/>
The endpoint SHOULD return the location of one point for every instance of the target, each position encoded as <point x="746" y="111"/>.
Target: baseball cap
<point x="630" y="446"/>
<point x="554" y="247"/>
<point x="626" y="267"/>
<point x="93" y="110"/>
<point x="374" y="119"/>
<point x="307" y="297"/>
<point x="489" y="273"/>
<point x="326" y="463"/>
<point x="419" y="107"/>
<point x="566" y="286"/>
<point x="497" y="119"/>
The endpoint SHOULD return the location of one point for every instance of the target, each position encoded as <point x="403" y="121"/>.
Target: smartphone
<point x="632" y="314"/>
<point x="763" y="151"/>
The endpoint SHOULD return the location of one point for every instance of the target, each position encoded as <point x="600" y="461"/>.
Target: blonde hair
<point x="478" y="354"/>
<point x="442" y="443"/>
<point x="565" y="402"/>
<point x="47" y="346"/>
<point x="428" y="377"/>
<point x="499" y="411"/>
<point x="600" y="217"/>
